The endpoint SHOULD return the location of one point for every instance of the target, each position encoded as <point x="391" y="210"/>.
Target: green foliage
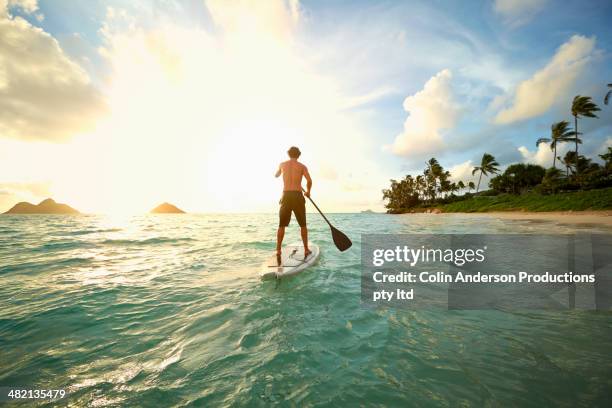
<point x="575" y="201"/>
<point x="583" y="106"/>
<point x="552" y="181"/>
<point x="433" y="186"/>
<point x="518" y="178"/>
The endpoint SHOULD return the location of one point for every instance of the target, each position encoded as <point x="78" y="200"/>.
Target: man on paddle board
<point x="293" y="199"/>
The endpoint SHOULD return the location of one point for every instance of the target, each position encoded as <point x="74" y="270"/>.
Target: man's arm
<point x="308" y="181"/>
<point x="279" y="171"/>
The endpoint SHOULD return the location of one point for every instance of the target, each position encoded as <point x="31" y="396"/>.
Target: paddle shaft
<point x="319" y="210"/>
<point x="341" y="241"/>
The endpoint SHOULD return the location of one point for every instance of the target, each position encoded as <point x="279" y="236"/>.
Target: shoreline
<point x="591" y="217"/>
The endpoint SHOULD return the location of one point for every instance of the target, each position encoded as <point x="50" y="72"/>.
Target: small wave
<point x="91" y="231"/>
<point x="149" y="241"/>
<point x="36" y="267"/>
<point x="62" y="246"/>
<point x="270" y="245"/>
<point x="8" y="230"/>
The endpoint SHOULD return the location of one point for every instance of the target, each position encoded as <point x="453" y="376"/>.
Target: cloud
<point x="462" y="172"/>
<point x="431" y="110"/>
<point x="26" y="6"/>
<point x="518" y="12"/>
<point x="543" y="155"/>
<point x="36" y="189"/>
<point x="549" y="86"/>
<point x="276" y="18"/>
<point x="368" y="98"/>
<point x="603" y="148"/>
<point x="43" y="94"/>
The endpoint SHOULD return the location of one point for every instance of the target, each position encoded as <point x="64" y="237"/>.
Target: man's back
<point x="293" y="171"/>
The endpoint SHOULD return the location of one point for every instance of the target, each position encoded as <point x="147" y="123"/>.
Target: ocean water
<point x="169" y="311"/>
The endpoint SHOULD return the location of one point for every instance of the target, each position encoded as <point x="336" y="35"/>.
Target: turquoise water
<point x="169" y="311"/>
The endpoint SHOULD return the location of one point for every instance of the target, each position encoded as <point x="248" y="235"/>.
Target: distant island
<point x="48" y="206"/>
<point x="167" y="208"/>
<point x="368" y="212"/>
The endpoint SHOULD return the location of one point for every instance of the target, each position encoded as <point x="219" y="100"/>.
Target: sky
<point x="116" y="106"/>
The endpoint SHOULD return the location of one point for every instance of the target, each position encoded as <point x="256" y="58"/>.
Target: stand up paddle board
<point x="292" y="262"/>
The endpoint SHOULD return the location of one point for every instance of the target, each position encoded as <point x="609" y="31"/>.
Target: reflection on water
<point x="167" y="310"/>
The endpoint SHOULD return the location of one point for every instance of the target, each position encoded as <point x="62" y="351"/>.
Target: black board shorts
<point x="292" y="201"/>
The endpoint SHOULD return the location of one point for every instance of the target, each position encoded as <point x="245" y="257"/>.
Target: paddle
<point x="340" y="239"/>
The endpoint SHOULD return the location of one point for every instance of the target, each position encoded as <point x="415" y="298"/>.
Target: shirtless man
<point x="293" y="200"/>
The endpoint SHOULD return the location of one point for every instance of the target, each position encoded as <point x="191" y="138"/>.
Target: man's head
<point x="294" y="152"/>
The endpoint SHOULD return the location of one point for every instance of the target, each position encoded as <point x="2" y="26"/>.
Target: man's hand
<point x="307" y="194"/>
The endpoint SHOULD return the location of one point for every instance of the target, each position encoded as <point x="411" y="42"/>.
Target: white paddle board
<point x="292" y="261"/>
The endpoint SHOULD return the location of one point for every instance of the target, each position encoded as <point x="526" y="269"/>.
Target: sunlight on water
<point x="169" y="310"/>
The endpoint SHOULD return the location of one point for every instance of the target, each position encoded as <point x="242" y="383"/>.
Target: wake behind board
<point x="292" y="262"/>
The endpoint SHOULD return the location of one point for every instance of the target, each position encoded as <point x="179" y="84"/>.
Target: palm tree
<point x="432" y="174"/>
<point x="471" y="186"/>
<point x="559" y="132"/>
<point x="552" y="179"/>
<point x="566" y="164"/>
<point x="582" y="106"/>
<point x="607" y="158"/>
<point x="488" y="165"/>
<point x="607" y="98"/>
<point x="569" y="161"/>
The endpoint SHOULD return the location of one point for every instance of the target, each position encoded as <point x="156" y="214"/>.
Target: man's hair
<point x="294" y="152"/>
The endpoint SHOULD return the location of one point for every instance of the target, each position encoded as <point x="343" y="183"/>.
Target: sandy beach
<point x="600" y="218"/>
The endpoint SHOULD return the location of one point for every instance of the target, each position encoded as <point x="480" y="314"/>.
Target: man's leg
<point x="280" y="234"/>
<point x="300" y="215"/>
<point x="284" y="217"/>
<point x="304" y="233"/>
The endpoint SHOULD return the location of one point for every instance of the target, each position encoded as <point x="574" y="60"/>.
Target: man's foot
<point x="307" y="252"/>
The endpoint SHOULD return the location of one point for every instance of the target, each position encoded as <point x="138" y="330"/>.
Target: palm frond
<point x="542" y="140"/>
<point x="584" y="106"/>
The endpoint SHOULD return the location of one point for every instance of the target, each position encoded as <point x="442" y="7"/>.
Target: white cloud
<point x="431" y="111"/>
<point x="543" y="155"/>
<point x="518" y="12"/>
<point x="551" y="85"/>
<point x="463" y="172"/>
<point x="603" y="148"/>
<point x="43" y="94"/>
<point x="369" y="97"/>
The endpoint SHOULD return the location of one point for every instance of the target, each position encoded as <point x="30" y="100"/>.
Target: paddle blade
<point x="342" y="241"/>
